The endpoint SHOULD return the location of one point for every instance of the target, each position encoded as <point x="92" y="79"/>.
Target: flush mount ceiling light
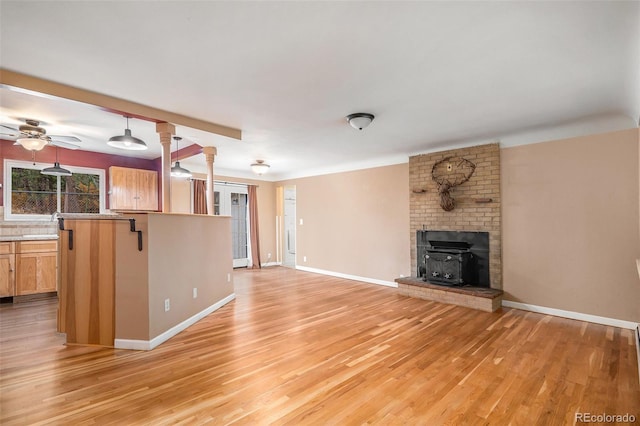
<point x="260" y="167"/>
<point x="177" y="171"/>
<point x="127" y="141"/>
<point x="56" y="170"/>
<point x="32" y="144"/>
<point x="360" y="120"/>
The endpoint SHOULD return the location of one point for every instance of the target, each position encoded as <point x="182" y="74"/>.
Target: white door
<point x="289" y="246"/>
<point x="232" y="200"/>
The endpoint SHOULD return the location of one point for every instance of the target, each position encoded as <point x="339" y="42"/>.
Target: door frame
<point x="225" y="189"/>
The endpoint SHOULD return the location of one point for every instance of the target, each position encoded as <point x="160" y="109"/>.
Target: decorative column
<point x="210" y="154"/>
<point x="166" y="131"/>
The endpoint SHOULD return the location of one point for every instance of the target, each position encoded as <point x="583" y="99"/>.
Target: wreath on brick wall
<point x="449" y="173"/>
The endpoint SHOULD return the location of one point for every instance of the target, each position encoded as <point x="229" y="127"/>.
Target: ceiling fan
<point x="33" y="137"/>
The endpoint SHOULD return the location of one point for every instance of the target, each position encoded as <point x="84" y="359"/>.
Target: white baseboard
<point x="147" y="345"/>
<point x="348" y="277"/>
<point x="570" y="314"/>
<point x="638" y="349"/>
<point x="266" y="265"/>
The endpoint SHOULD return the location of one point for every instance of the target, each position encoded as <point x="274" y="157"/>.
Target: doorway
<point x="232" y="200"/>
<point x="289" y="235"/>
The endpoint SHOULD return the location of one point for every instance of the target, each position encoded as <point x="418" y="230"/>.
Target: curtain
<point x="199" y="196"/>
<point x="253" y="226"/>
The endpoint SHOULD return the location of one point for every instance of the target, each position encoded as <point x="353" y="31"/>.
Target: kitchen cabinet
<point x="36" y="267"/>
<point x="133" y="189"/>
<point x="7" y="269"/>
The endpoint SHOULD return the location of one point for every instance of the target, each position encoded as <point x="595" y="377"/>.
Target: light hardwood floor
<point x="304" y="349"/>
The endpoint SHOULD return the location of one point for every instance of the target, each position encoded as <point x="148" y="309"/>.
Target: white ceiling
<point x="435" y="74"/>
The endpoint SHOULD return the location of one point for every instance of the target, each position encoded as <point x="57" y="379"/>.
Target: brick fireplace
<point x="477" y="202"/>
<point x="477" y="209"/>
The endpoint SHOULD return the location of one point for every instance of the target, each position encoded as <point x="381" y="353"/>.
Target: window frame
<point x="9" y="165"/>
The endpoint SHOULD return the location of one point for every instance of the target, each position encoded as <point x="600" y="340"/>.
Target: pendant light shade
<point x="360" y="120"/>
<point x="56" y="170"/>
<point x="177" y="170"/>
<point x="260" y="167"/>
<point x="32" y="144"/>
<point x="127" y="141"/>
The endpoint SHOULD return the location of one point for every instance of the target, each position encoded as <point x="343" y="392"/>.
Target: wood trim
<point x="186" y="152"/>
<point x="112" y="104"/>
<point x="7" y="247"/>
<point x="37" y="246"/>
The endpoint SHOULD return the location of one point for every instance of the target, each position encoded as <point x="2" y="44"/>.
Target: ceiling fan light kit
<point x="360" y="120"/>
<point x="127" y="141"/>
<point x="260" y="167"/>
<point x="32" y="144"/>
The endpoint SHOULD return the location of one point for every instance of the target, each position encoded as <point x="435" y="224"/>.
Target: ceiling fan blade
<point x="63" y="144"/>
<point x="65" y="138"/>
<point x="10" y="135"/>
<point x="9" y="127"/>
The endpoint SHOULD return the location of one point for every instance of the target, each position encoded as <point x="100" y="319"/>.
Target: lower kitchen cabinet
<point x="7" y="269"/>
<point x="28" y="267"/>
<point x="35" y="273"/>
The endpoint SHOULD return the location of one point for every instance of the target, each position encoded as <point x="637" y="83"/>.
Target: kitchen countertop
<point x="28" y="237"/>
<point x="89" y="216"/>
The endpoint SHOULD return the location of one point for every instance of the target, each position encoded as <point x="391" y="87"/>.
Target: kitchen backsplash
<point x="20" y="227"/>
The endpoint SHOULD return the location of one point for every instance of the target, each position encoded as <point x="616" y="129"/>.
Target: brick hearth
<point x="482" y="298"/>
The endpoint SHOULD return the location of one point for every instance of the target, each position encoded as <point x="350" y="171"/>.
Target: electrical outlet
<point x="304" y="259"/>
<point x="228" y="278"/>
<point x="167" y="305"/>
<point x="268" y="255"/>
<point x="301" y="222"/>
<point x="195" y="292"/>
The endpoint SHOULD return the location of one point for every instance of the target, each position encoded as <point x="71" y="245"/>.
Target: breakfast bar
<point x="134" y="280"/>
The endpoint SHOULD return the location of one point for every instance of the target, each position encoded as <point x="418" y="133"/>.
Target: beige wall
<point x="132" y="282"/>
<point x="166" y="270"/>
<point x="355" y="223"/>
<point x="180" y="195"/>
<point x="174" y="272"/>
<point x="181" y="203"/>
<point x="570" y="224"/>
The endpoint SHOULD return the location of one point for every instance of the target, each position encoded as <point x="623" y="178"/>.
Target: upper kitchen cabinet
<point x="133" y="189"/>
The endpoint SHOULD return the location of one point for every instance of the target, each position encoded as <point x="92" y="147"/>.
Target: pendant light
<point x="177" y="171"/>
<point x="127" y="141"/>
<point x="56" y="170"/>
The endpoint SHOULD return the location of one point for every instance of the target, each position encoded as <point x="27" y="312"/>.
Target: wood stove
<point x="449" y="263"/>
<point x="453" y="258"/>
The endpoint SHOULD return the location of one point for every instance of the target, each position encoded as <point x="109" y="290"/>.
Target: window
<point x="30" y="195"/>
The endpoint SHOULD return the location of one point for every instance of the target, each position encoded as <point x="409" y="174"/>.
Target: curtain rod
<point x="226" y="182"/>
